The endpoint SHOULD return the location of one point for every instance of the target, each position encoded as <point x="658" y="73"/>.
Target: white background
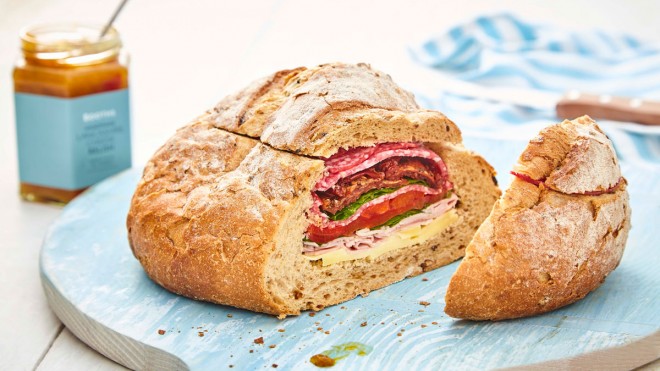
<point x="186" y="55"/>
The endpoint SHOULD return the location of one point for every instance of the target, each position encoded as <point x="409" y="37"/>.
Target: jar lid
<point x="69" y="44"/>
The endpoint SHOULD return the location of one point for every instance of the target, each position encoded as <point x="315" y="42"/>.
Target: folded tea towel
<point x="503" y="50"/>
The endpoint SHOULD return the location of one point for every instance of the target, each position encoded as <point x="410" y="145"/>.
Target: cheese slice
<point x="410" y="236"/>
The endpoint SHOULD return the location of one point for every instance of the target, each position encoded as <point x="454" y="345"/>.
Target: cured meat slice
<point x="367" y="186"/>
<point x="348" y="162"/>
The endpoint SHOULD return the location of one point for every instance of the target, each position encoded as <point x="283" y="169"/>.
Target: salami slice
<point x="349" y="162"/>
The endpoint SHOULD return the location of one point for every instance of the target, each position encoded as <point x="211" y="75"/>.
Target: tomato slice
<point x="373" y="215"/>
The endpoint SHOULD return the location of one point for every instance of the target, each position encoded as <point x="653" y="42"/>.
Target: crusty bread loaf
<point x="220" y="212"/>
<point x="547" y="245"/>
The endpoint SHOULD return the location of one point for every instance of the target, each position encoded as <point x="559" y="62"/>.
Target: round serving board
<point x="100" y="292"/>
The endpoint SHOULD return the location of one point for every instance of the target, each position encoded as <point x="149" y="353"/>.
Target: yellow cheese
<point x="406" y="237"/>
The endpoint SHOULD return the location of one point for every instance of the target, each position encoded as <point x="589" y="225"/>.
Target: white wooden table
<point x="185" y="57"/>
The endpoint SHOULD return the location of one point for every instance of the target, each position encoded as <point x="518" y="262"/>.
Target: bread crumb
<point x="280" y="330"/>
<point x="230" y="315"/>
<point x="312" y="314"/>
<point x="342" y="307"/>
<point x="363" y="324"/>
<point x="434" y="323"/>
<point x="161" y="332"/>
<point x="425" y="279"/>
<point x="272" y="346"/>
<point x="274" y="365"/>
<point x="398" y="334"/>
<point x="231" y="366"/>
<point x="320" y="328"/>
<point x="327" y="332"/>
<point x="251" y="350"/>
<point x="421" y="310"/>
<point x="259" y="340"/>
<point x="423" y="325"/>
<point x="424" y="303"/>
<point x="200" y="334"/>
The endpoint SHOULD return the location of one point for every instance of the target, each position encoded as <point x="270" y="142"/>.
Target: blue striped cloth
<point x="502" y="50"/>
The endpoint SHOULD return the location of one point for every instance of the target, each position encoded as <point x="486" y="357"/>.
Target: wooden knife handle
<point x="574" y="104"/>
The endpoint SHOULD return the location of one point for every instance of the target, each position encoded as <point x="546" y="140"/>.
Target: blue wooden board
<point x="87" y="263"/>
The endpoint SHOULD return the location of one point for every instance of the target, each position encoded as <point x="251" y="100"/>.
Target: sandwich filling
<point x="538" y="182"/>
<point x="370" y="194"/>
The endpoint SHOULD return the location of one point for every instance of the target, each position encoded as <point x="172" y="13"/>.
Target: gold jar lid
<point x="69" y="44"/>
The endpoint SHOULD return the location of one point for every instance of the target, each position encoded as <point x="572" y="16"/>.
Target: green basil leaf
<point x="349" y="210"/>
<point x="395" y="220"/>
<point x="417" y="181"/>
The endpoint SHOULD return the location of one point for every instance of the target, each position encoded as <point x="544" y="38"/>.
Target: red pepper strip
<point x="374" y="215"/>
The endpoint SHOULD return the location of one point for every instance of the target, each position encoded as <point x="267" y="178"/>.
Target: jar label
<point x="72" y="143"/>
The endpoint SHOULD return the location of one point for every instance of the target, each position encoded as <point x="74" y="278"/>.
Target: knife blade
<point x="567" y="106"/>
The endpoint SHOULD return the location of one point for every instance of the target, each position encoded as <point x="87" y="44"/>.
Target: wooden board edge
<point x="625" y="357"/>
<point x="118" y="347"/>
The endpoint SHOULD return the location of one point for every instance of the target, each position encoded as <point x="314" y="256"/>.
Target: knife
<point x="570" y="105"/>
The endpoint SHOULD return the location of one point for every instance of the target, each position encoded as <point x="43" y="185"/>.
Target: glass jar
<point x="72" y="110"/>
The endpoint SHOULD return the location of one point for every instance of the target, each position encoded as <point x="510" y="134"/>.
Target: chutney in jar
<point x="72" y="110"/>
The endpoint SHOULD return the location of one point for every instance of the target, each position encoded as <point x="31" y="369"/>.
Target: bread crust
<point x="316" y="111"/>
<point x="219" y="214"/>
<point x="545" y="246"/>
<point x="211" y="238"/>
